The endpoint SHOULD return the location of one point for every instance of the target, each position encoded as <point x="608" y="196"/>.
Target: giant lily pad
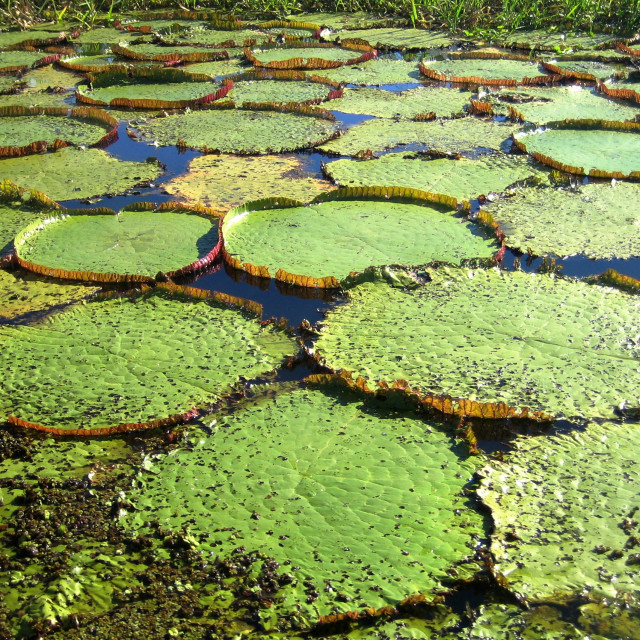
<point x="598" y="220"/>
<point x="542" y="40"/>
<point x="599" y="148"/>
<point x="555" y="345"/>
<point x="24" y="38"/>
<point x="217" y="68"/>
<point x="376" y="72"/>
<point x="77" y="173"/>
<point x="225" y="181"/>
<point x="408" y="104"/>
<point x="585" y="69"/>
<point x="162" y="53"/>
<point x="37" y="99"/>
<point x="462" y="134"/>
<point x="16" y="59"/>
<point x="130" y="242"/>
<point x="22" y="126"/>
<point x="390" y="38"/>
<point x="564" y="509"/>
<point x="240" y="131"/>
<point x="486" y="68"/>
<point x="311" y="57"/>
<point x="21" y="294"/>
<point x="131" y="360"/>
<point x="540" y="105"/>
<point x="330" y="239"/>
<point x="105" y="35"/>
<point x="387" y="495"/>
<point x="463" y="178"/>
<point x="299" y="91"/>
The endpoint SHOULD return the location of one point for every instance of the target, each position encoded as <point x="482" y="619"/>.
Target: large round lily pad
<point x="15" y="216"/>
<point x="307" y="55"/>
<point x="335" y="238"/>
<point x="463" y="178"/>
<point x="225" y="181"/>
<point x="462" y="134"/>
<point x="543" y="40"/>
<point x="540" y="105"/>
<point x="376" y="72"/>
<point x="217" y="68"/>
<point x="37" y="99"/>
<point x="131" y="360"/>
<point x="564" y="510"/>
<point x="77" y="173"/>
<point x="276" y="91"/>
<point x="24" y="293"/>
<point x="361" y="507"/>
<point x="408" y="104"/>
<point x="555" y="345"/>
<point x="240" y="131"/>
<point x="10" y="59"/>
<point x="390" y="38"/>
<point x="130" y="242"/>
<point x="598" y="220"/>
<point x="582" y="148"/>
<point x="498" y="69"/>
<point x="22" y="130"/>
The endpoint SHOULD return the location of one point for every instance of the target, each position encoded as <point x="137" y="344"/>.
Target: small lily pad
<point x="130" y="242"/>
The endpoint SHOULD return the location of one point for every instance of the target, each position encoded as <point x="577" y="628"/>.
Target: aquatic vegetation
<point x="344" y="231"/>
<point x="524" y="339"/>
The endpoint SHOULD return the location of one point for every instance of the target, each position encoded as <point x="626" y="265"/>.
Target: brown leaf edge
<point x="541" y="80"/>
<point x="588" y="124"/>
<point x="613" y="278"/>
<point x="182" y="14"/>
<point x="174" y="291"/>
<point x="399" y="394"/>
<point x="117" y="278"/>
<point x="620" y="94"/>
<point x="88" y="114"/>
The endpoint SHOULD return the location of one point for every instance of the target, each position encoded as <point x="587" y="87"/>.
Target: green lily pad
<point x="37" y="99"/>
<point x="275" y="90"/>
<point x="332" y="54"/>
<point x="210" y="37"/>
<point x="390" y="38"/>
<point x="490" y="69"/>
<point x="23" y="293"/>
<point x="335" y="238"/>
<point x="240" y="131"/>
<point x="408" y="104"/>
<point x="463" y="178"/>
<point x="130" y="242"/>
<point x="15" y="216"/>
<point x="12" y="38"/>
<point x="573" y="529"/>
<point x="77" y="173"/>
<point x="19" y="58"/>
<point x="225" y="181"/>
<point x="149" y="51"/>
<point x="217" y="68"/>
<point x="528" y="340"/>
<point x="18" y="131"/>
<point x="106" y="35"/>
<point x="134" y="89"/>
<point x="388" y="497"/>
<point x="608" y="151"/>
<point x="462" y="134"/>
<point x="50" y="77"/>
<point x="540" y="105"/>
<point x="599" y="70"/>
<point x="131" y="360"/>
<point x="376" y="72"/>
<point x="598" y="220"/>
<point x="340" y="19"/>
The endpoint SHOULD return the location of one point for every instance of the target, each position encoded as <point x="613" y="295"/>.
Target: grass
<point x="479" y="17"/>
